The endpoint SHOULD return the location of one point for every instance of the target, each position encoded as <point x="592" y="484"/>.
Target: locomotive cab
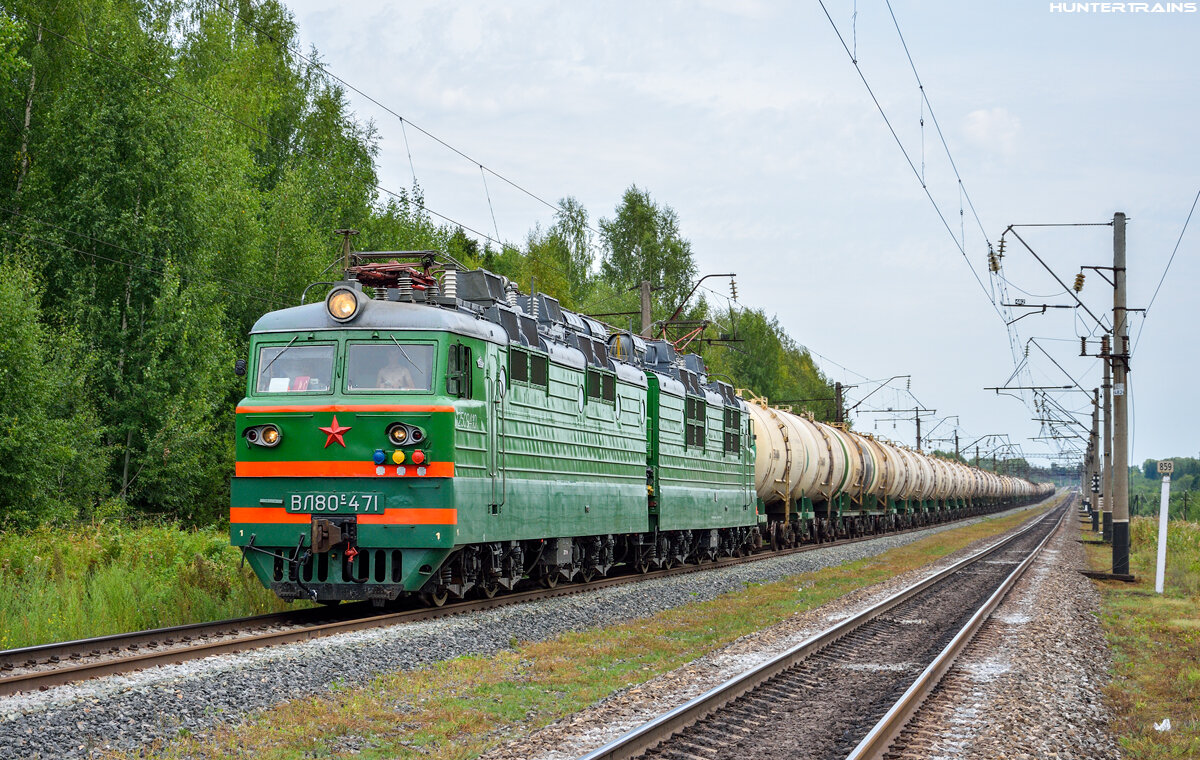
<point x="346" y="442"/>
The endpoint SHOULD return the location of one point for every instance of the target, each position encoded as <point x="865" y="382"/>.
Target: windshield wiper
<point x="406" y="356"/>
<point x="262" y="371"/>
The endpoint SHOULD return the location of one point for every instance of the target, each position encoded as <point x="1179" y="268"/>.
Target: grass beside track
<point x="463" y="707"/>
<point x="1155" y="642"/>
<point x="108" y="577"/>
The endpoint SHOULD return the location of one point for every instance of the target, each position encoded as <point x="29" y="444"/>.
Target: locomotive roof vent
<point x="481" y="287"/>
<point x="695" y="363"/>
<point x="660" y="352"/>
<point x="529" y="330"/>
<point x="506" y="317"/>
<point x="548" y="309"/>
<point x="627" y="347"/>
<point x="661" y="358"/>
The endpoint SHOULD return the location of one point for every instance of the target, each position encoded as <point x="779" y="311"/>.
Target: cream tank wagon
<point x="817" y="482"/>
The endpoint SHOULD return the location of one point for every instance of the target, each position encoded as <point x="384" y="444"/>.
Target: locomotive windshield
<point x="294" y="369"/>
<point x="389" y="367"/>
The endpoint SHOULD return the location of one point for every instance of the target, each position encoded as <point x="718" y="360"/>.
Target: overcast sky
<point x="750" y="120"/>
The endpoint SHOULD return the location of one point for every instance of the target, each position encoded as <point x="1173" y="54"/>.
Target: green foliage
<point x="1185" y="467"/>
<point x="950" y="455"/>
<point x="106" y="577"/>
<point x="178" y="177"/>
<point x="1145" y="489"/>
<point x="26" y="392"/>
<point x="1155" y="639"/>
<point x="182" y="178"/>
<point x="12" y="63"/>
<point x="768" y="362"/>
<point x="642" y="242"/>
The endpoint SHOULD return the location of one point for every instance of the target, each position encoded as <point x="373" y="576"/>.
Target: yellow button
<point x="398" y="457"/>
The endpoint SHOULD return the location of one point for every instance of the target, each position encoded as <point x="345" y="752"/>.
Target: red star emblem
<point x="334" y="433"/>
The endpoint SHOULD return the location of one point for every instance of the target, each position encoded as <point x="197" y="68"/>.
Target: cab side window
<point x="458" y="371"/>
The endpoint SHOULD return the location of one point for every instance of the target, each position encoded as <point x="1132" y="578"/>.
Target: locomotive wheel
<point x="435" y="598"/>
<point x="550" y="579"/>
<point x="643" y="566"/>
<point x="587" y="574"/>
<point x="489" y="590"/>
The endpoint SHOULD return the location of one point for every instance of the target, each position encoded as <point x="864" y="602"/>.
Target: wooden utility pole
<point x="347" y="248"/>
<point x="1120" y="376"/>
<point x="645" y="308"/>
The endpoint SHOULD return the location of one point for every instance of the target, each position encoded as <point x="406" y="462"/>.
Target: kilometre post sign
<point x="1165" y="468"/>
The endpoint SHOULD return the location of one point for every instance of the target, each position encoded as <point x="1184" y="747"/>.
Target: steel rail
<point x="155" y="637"/>
<point x="319" y="626"/>
<point x="875" y="744"/>
<point x="652" y="733"/>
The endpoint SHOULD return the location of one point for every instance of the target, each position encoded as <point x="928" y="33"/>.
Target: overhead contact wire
<point x="908" y="158"/>
<point x="403" y="120"/>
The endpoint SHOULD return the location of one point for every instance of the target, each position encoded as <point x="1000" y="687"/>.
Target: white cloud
<point x="993" y="129"/>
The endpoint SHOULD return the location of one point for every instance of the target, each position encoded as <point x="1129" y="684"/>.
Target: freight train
<point x="429" y="430"/>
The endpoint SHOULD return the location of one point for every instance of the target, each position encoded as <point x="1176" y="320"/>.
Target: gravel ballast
<point x="1029" y="685"/>
<point x="126" y="712"/>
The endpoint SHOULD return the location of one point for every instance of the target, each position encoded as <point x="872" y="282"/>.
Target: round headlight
<point x="397" y="433"/>
<point x="270" y="435"/>
<point x="342" y="304"/>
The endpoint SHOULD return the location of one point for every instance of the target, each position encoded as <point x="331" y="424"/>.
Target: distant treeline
<point x="1145" y="488"/>
<point x="176" y="171"/>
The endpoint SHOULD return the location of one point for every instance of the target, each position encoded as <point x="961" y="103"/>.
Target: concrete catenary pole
<point x="1095" y="458"/>
<point x="1106" y="487"/>
<point x="1120" y="492"/>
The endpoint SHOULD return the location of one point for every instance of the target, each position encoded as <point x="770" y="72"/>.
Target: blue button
<point x="380" y="457"/>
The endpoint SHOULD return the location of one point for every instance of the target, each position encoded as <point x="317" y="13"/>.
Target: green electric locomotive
<point x="426" y="430"/>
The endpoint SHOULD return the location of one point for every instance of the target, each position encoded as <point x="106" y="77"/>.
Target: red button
<point x="418" y="456"/>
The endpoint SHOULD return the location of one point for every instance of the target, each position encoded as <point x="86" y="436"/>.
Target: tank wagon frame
<point x="442" y="433"/>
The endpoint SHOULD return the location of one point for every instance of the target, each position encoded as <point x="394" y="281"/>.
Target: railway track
<point x="47" y="665"/>
<point x="848" y="691"/>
